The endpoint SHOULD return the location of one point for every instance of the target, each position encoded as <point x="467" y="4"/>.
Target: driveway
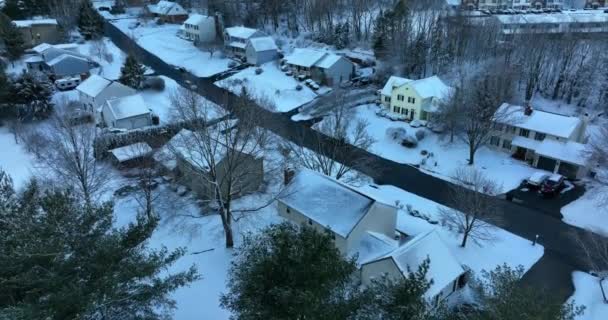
<point x="549" y="206"/>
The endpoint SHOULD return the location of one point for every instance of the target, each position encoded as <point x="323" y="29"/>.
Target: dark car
<point x="103" y="8"/>
<point x="552" y="186"/>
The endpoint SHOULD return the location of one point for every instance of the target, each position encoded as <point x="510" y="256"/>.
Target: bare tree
<point x="483" y="95"/>
<point x="65" y="152"/>
<point x="333" y="157"/>
<point x="474" y="212"/>
<point x="223" y="156"/>
<point x="594" y="251"/>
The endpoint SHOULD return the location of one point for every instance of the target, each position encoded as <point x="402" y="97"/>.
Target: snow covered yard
<point x="588" y="293"/>
<point x="505" y="248"/>
<point x="108" y="55"/>
<point x="589" y="211"/>
<point x="162" y="40"/>
<point x="447" y="157"/>
<point x="14" y="159"/>
<point x="272" y="85"/>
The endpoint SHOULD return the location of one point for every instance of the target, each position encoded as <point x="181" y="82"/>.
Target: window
<point x="511" y="129"/>
<point x="400" y="97"/>
<point x="396" y="109"/>
<point x="506" y="144"/>
<point x="387" y="99"/>
<point x="310" y="222"/>
<point x="411" y="99"/>
<point x="540" y="136"/>
<point x="404" y="111"/>
<point x="524" y="133"/>
<point x="495" y="141"/>
<point x="412" y="111"/>
<point x="288" y="211"/>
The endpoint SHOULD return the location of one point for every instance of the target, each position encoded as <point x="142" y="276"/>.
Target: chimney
<point x="528" y="110"/>
<point x="288" y="175"/>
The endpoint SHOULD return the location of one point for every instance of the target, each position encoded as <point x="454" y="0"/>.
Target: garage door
<point x="546" y="164"/>
<point x="568" y="170"/>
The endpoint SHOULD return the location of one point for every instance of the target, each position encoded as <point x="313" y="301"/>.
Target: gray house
<point x="126" y="113"/>
<point x="190" y="167"/>
<point x="261" y="50"/>
<point x="322" y="66"/>
<point x="58" y="61"/>
<point x="235" y="39"/>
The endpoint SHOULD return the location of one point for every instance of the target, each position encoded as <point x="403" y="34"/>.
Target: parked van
<point x="67" y="83"/>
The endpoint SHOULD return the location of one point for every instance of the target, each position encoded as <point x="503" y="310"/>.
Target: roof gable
<point x="198" y="19"/>
<point x="167" y="8"/>
<point x="393" y="82"/>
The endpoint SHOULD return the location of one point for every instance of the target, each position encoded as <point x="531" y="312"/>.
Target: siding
<point x="378" y="268"/>
<point x="341" y="71"/>
<point x="380" y="218"/>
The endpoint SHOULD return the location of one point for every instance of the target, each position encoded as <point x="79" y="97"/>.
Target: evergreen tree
<point x="379" y="44"/>
<point x="34" y="97"/>
<point x="289" y="272"/>
<point x="502" y="296"/>
<point x="132" y="72"/>
<point x="64" y="260"/>
<point x="13" y="40"/>
<point x="14" y="10"/>
<point x="90" y="23"/>
<point x="5" y="84"/>
<point x="341" y="35"/>
<point x="397" y="300"/>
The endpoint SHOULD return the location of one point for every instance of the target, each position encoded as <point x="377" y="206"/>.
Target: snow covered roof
<point x="29" y="23"/>
<point x="33" y="59"/>
<point x="524" y="142"/>
<point x="93" y="85"/>
<point x="262" y="44"/>
<point x="127" y="107"/>
<point x="62" y="57"/>
<point x="132" y="151"/>
<point x="540" y="121"/>
<point x="579" y="16"/>
<point x="45" y="46"/>
<point x="373" y="245"/>
<point x="167" y="8"/>
<point x="431" y="87"/>
<point x="393" y="82"/>
<point x="327" y="201"/>
<point x="444" y="267"/>
<point x="569" y="151"/>
<point x="329" y="60"/>
<point x="241" y="32"/>
<point x="197" y="19"/>
<point x="305" y="57"/>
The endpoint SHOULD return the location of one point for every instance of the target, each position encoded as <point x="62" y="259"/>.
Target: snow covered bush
<point x="259" y="70"/>
<point x="299" y="87"/>
<point x="409" y="141"/>
<point x="396" y="133"/>
<point x="420" y="134"/>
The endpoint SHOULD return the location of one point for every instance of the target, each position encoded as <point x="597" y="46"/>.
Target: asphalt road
<point x="553" y="271"/>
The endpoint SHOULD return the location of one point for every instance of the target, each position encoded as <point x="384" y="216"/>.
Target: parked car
<point x="553" y="185"/>
<point x="537" y="179"/>
<point x="67" y="83"/>
<point x="103" y="8"/>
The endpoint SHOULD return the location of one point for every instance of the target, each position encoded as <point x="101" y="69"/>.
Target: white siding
<point x="378" y="268"/>
<point x="380" y="218"/>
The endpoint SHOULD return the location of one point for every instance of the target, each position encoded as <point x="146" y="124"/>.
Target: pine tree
<point x="5" y="84"/>
<point x="34" y="95"/>
<point x="14" y="10"/>
<point x="13" y="40"/>
<point x="289" y="272"/>
<point x="132" y="72"/>
<point x="90" y="23"/>
<point x="341" y="35"/>
<point x="64" y="260"/>
<point x="379" y="44"/>
<point x="502" y="296"/>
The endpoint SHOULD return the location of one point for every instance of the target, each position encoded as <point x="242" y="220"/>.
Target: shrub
<point x="396" y="133"/>
<point x="299" y="87"/>
<point x="420" y="134"/>
<point x="409" y="141"/>
<point x="259" y="71"/>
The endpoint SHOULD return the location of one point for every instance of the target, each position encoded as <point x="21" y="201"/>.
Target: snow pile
<point x="589" y="211"/>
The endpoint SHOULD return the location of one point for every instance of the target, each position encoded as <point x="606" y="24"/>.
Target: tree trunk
<point x="465" y="237"/>
<point x="229" y="237"/>
<point x="471" y="155"/>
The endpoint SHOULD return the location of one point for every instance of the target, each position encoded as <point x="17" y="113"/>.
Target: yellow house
<point x="413" y="99"/>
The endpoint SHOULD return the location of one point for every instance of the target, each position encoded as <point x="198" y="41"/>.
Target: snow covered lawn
<point x="14" y="159"/>
<point x="587" y="292"/>
<point x="589" y="211"/>
<point x="506" y="248"/>
<point x="109" y="66"/>
<point x="447" y="157"/>
<point x="162" y="41"/>
<point x="272" y="84"/>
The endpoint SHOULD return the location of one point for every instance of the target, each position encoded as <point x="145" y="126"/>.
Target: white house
<point x="322" y="66"/>
<point x="128" y="113"/>
<point x="95" y="91"/>
<point x="261" y="50"/>
<point x="445" y="271"/>
<point x="363" y="225"/>
<point x="235" y="39"/>
<point x="414" y="99"/>
<point x="200" y="28"/>
<point x="548" y="141"/>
